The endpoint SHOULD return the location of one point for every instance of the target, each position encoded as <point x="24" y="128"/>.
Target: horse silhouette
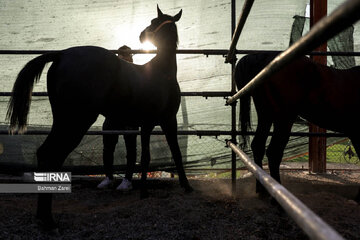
<point x="322" y="95"/>
<point x="86" y="81"/>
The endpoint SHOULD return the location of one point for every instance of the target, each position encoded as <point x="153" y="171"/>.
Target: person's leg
<point x="130" y="143"/>
<point x="131" y="154"/>
<point x="109" y="144"/>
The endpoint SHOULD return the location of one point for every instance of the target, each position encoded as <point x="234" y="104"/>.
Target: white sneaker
<point x="105" y="183"/>
<point x="125" y="185"/>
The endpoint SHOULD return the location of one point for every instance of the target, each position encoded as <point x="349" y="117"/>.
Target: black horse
<point x="322" y="95"/>
<point x="84" y="82"/>
<point x="110" y="141"/>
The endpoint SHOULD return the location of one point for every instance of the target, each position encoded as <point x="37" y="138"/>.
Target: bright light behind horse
<point x="144" y="58"/>
<point x="131" y="39"/>
<point x="148" y="46"/>
<point x="135" y="44"/>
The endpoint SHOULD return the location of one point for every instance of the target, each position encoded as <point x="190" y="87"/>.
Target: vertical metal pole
<point x="231" y="57"/>
<point x="233" y="107"/>
<point x="185" y="127"/>
<point x="317" y="145"/>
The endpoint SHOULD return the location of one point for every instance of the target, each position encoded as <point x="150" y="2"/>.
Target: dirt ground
<point x="210" y="212"/>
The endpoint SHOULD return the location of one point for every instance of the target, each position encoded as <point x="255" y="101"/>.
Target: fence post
<point x="235" y="33"/>
<point x="317" y="145"/>
<point x="233" y="107"/>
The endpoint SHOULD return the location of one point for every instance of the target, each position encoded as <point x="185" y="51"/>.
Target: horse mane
<point x="177" y="36"/>
<point x="174" y="35"/>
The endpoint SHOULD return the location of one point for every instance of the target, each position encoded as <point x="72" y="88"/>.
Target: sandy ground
<point x="210" y="212"/>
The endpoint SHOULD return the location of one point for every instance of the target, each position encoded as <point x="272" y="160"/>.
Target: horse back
<point x="250" y="65"/>
<point x="92" y="79"/>
<point x="143" y="95"/>
<point x="323" y="95"/>
<point x="82" y="76"/>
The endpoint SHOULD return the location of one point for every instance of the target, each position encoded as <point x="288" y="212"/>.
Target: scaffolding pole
<point x="231" y="57"/>
<point x="341" y="18"/>
<point x="308" y="221"/>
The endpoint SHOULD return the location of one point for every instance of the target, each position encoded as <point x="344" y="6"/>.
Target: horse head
<point x="162" y="31"/>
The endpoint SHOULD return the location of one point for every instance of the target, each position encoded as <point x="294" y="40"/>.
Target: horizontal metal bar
<point x="183" y="132"/>
<point x="327" y="27"/>
<point x="9" y="168"/>
<point x="185" y="94"/>
<point x="37" y="94"/>
<point x="206" y="94"/>
<point x="134" y="51"/>
<point x="130" y="132"/>
<point x="243" y="16"/>
<point x="312" y="53"/>
<point x="312" y="225"/>
<point x="16" y="168"/>
<point x="205" y="52"/>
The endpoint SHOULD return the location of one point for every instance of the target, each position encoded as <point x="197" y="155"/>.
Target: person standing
<point x="110" y="141"/>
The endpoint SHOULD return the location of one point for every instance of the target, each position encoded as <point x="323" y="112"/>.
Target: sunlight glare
<point x="148" y="46"/>
<point x="131" y="39"/>
<point x="144" y="58"/>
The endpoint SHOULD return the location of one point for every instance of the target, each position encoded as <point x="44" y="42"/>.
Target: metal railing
<point x="230" y="58"/>
<point x="339" y="19"/>
<point x="350" y="9"/>
<point x="206" y="52"/>
<point x="308" y="221"/>
<point x="198" y="133"/>
<point x="326" y="28"/>
<point x="184" y="94"/>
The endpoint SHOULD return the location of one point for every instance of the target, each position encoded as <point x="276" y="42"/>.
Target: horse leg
<point x="277" y="146"/>
<point x="355" y="140"/>
<point x="63" y="138"/>
<point x="258" y="146"/>
<point x="130" y="143"/>
<point x="170" y="130"/>
<point x="145" y="158"/>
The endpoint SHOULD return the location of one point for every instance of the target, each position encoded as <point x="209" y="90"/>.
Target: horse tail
<point x="247" y="68"/>
<point x="19" y="103"/>
<point x="241" y="78"/>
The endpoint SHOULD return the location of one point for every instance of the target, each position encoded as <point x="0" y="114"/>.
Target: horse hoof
<point x="48" y="226"/>
<point x="53" y="232"/>
<point x="274" y="203"/>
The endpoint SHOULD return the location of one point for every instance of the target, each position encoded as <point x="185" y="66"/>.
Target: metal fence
<point x="312" y="225"/>
<point x="220" y="52"/>
<point x="329" y="26"/>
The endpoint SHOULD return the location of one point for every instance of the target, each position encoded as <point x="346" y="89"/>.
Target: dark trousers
<point x="109" y="143"/>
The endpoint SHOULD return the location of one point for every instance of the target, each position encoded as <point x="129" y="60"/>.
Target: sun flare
<point x="131" y="39"/>
<point x="144" y="58"/>
<point x="147" y="46"/>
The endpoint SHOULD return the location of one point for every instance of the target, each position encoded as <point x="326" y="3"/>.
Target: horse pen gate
<point x="232" y="133"/>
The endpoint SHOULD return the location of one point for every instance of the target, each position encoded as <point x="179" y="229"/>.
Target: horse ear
<point x="177" y="16"/>
<point x="159" y="11"/>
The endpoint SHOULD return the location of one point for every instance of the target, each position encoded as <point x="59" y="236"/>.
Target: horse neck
<point x="165" y="61"/>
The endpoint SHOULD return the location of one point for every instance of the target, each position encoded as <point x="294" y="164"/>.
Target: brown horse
<point x="322" y="95"/>
<point x="84" y="82"/>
